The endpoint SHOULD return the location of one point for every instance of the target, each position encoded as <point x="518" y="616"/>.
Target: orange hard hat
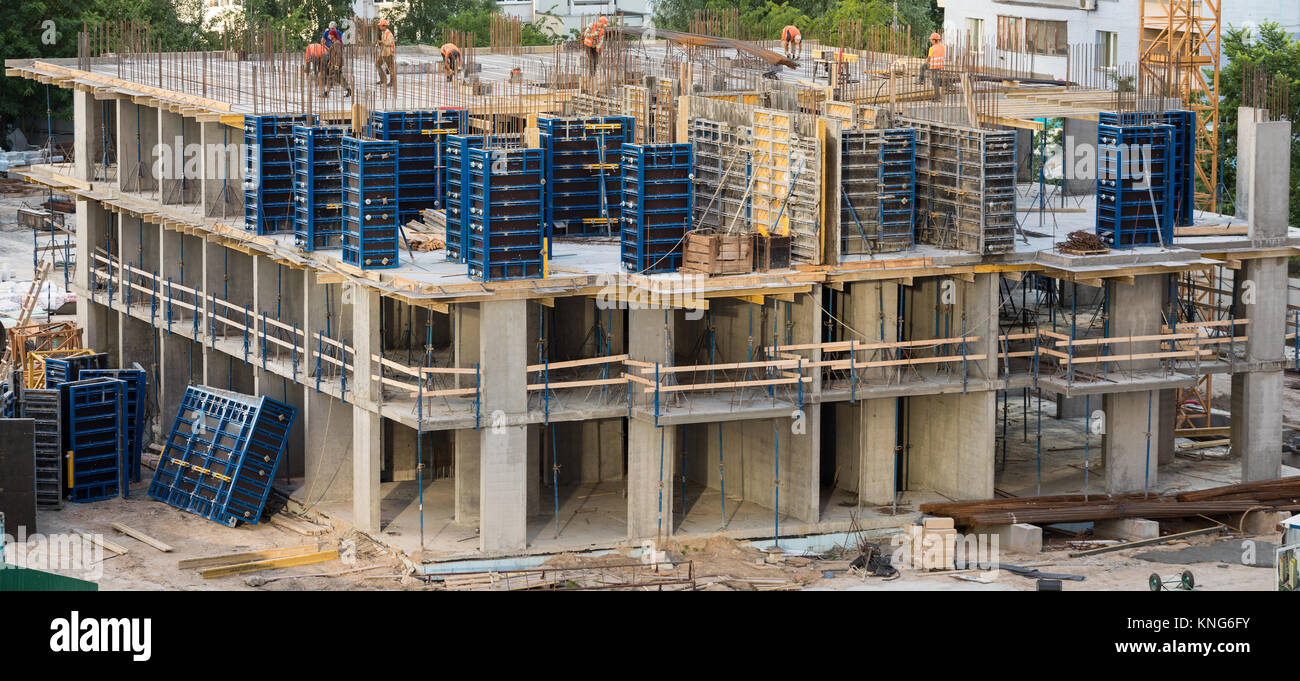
<point x="383" y="22"/>
<point x="603" y="21"/>
<point x="935" y="36"/>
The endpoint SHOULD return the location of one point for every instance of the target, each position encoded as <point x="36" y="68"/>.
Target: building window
<point x="1107" y="49"/>
<point x="1034" y="36"/>
<point x="1009" y="38"/>
<point x="975" y="32"/>
<point x="1046" y="37"/>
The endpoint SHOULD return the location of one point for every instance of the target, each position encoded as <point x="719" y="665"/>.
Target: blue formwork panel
<point x="94" y="438"/>
<point x="222" y="454"/>
<point x="268" y="171"/>
<point x="584" y="189"/>
<point x="1135" y="197"/>
<point x="505" y="214"/>
<point x="370" y="200"/>
<point x="318" y="186"/>
<point x="1183" y="153"/>
<point x="137" y="395"/>
<point x="878" y="190"/>
<point x="657" y="202"/>
<point x="59" y="370"/>
<point x="422" y="150"/>
<point x="455" y="196"/>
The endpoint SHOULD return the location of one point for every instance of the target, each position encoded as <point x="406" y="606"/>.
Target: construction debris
<point x="1080" y="242"/>
<point x="1282" y="494"/>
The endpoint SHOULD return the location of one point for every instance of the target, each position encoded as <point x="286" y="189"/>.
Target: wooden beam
<point x="111" y="546"/>
<point x="136" y="534"/>
<point x="246" y="557"/>
<point x="270" y="564"/>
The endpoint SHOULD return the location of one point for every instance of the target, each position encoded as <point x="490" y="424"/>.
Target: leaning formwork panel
<point x="657" y="206"/>
<point x="456" y="195"/>
<point x="422" y="167"/>
<point x="1135" y="185"/>
<point x="965" y="187"/>
<point x="505" y="214"/>
<point x="584" y="185"/>
<point x="786" y="187"/>
<point x="370" y="200"/>
<point x="137" y="395"/>
<point x="94" y="437"/>
<point x="60" y="370"/>
<point x="722" y="171"/>
<point x="268" y="171"/>
<point x="318" y="186"/>
<point x="877" y="190"/>
<point x="45" y="407"/>
<point x="222" y="453"/>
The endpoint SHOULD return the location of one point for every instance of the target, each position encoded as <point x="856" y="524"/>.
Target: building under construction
<point x="694" y="287"/>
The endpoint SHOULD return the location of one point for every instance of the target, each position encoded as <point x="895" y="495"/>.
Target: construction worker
<point x="792" y="41"/>
<point x="331" y="35"/>
<point x="450" y="59"/>
<point x="934" y="64"/>
<point x="386" y="63"/>
<point x="593" y="41"/>
<point x="335" y="73"/>
<point x="314" y="61"/>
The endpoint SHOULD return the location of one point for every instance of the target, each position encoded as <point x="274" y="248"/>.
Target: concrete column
<point x="1270" y="180"/>
<point x="652" y="452"/>
<point x="951" y="443"/>
<point x="171" y="138"/>
<point x="1248" y="119"/>
<point x="87" y="138"/>
<point x="468" y="447"/>
<point x="367" y="429"/>
<point x="1131" y="452"/>
<point x="534" y="469"/>
<point x="1078" y="133"/>
<point x="327" y="475"/>
<point x="222" y="194"/>
<point x="402" y="447"/>
<point x="876" y="441"/>
<point x="91" y="317"/>
<point x="1167" y="422"/>
<point x="503" y="487"/>
<point x="1257" y="392"/>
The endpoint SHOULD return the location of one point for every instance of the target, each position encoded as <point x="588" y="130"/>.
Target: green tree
<point x="1279" y="55"/>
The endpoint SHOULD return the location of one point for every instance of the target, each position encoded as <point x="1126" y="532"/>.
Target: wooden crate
<point x="771" y="252"/>
<point x="712" y="253"/>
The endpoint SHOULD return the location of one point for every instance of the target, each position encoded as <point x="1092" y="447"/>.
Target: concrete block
<point x="1132" y="529"/>
<point x="1264" y="522"/>
<point x="1017" y="538"/>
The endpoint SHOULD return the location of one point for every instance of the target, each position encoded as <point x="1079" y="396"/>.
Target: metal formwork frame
<point x="877" y="190"/>
<point x="222" y="453"/>
<point x="422" y="149"/>
<point x="318" y="186"/>
<point x="505" y="214"/>
<point x="137" y="396"/>
<point x="657" y="207"/>
<point x="45" y="407"/>
<point x="268" y="171"/>
<point x="584" y="184"/>
<point x="457" y="194"/>
<point x="370" y="200"/>
<point x="1135" y="202"/>
<point x="94" y="438"/>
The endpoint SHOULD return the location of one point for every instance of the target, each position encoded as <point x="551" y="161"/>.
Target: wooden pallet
<point x="714" y="254"/>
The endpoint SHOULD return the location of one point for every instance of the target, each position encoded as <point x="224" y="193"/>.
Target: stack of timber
<point x="1282" y="494"/>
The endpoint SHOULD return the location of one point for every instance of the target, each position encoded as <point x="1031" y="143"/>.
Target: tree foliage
<point x="1274" y="50"/>
<point x="815" y="18"/>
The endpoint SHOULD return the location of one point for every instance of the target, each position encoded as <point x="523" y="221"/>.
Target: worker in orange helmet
<point x="792" y="41"/>
<point x="451" y="59"/>
<point x="593" y="41"/>
<point x="386" y="62"/>
<point x="934" y="64"/>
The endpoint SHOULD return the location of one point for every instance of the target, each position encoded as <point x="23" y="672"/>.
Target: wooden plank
<point x="246" y="557"/>
<point x="296" y="525"/>
<point x="111" y="546"/>
<point x="271" y="564"/>
<point x="137" y="534"/>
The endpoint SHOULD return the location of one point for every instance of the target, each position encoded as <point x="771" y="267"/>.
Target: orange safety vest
<point x="315" y="51"/>
<point x="595" y="33"/>
<point x="937" y="52"/>
<point x="789" y="33"/>
<point x="449" y="50"/>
